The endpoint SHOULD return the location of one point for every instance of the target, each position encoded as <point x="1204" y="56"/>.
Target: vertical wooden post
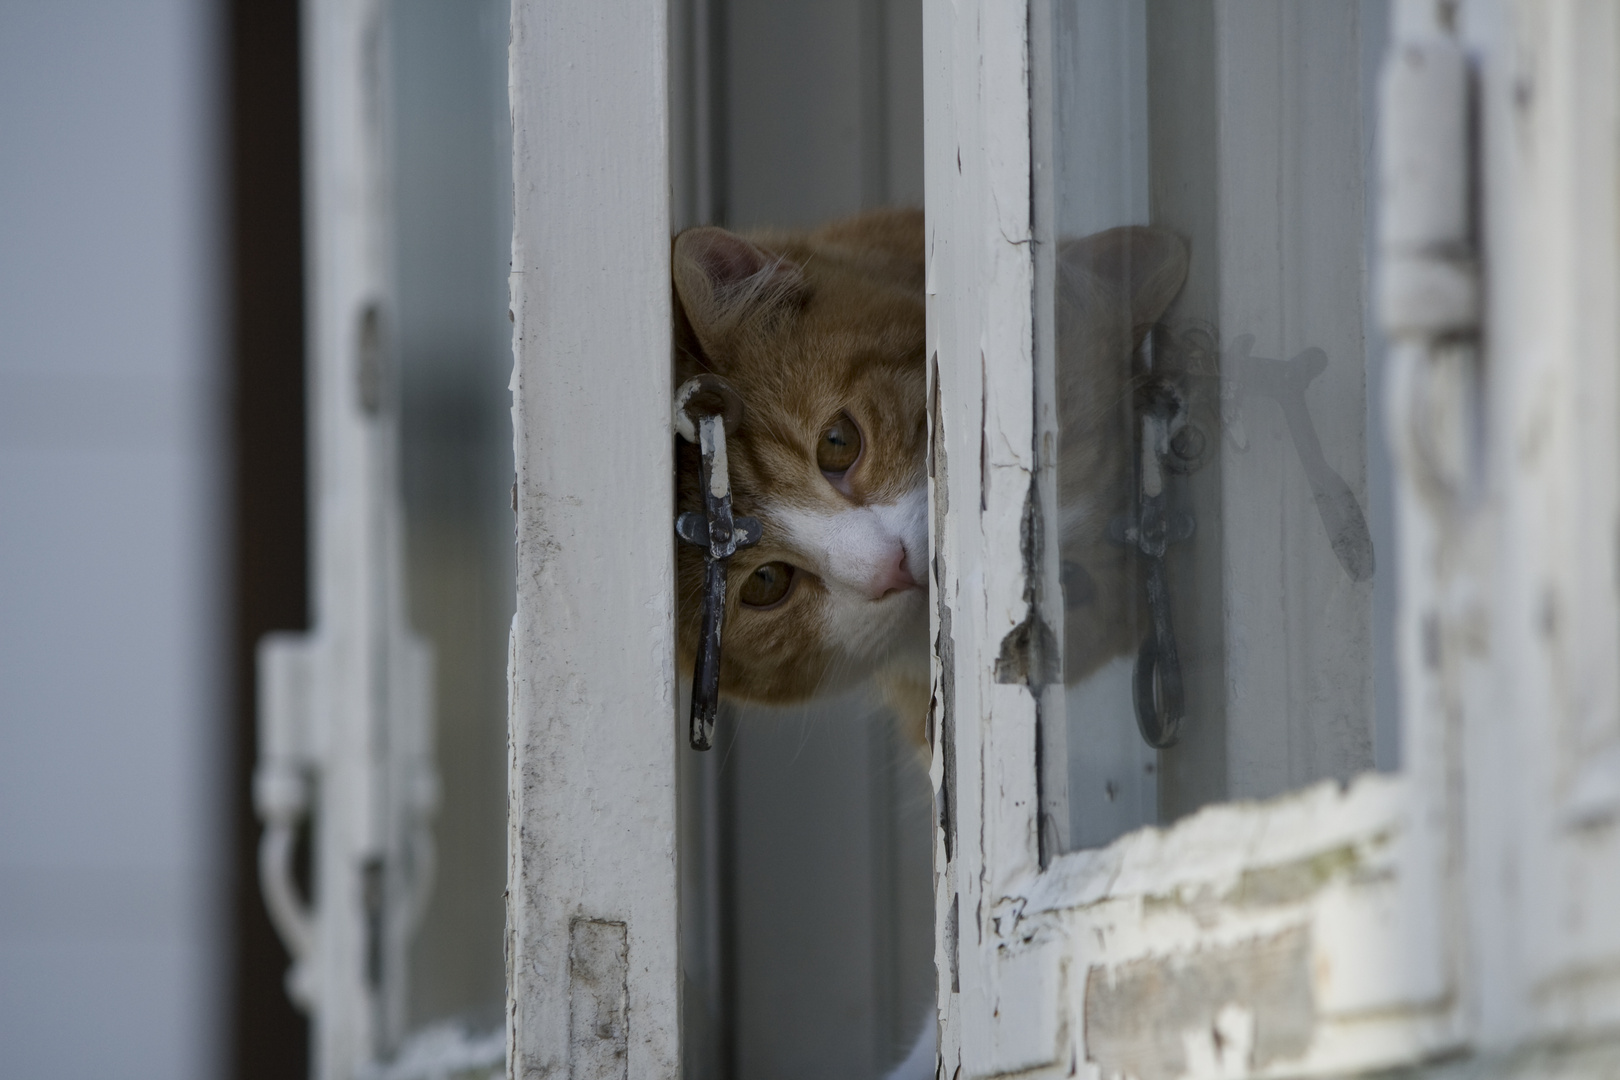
<point x="591" y="908"/>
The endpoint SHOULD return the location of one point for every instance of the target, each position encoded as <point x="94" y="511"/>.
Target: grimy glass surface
<point x="1217" y="571"/>
<point x="447" y="114"/>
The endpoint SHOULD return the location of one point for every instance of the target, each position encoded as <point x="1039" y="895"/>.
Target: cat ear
<point x="1138" y="267"/>
<point x="723" y="280"/>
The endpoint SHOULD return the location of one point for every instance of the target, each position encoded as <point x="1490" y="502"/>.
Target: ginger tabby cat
<point x="822" y="334"/>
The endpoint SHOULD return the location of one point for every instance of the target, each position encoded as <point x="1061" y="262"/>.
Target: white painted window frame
<point x="1413" y="946"/>
<point x="1533" y="569"/>
<point x="1461" y="904"/>
<point x="346" y="731"/>
<point x="1451" y="906"/>
<point x="592" y="925"/>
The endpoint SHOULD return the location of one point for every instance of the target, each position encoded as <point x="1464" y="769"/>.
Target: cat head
<point x="822" y="337"/>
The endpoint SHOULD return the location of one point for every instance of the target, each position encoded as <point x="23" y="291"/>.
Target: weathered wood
<point x="1325" y="910"/>
<point x="1535" y="608"/>
<point x="592" y="799"/>
<point x="980" y="280"/>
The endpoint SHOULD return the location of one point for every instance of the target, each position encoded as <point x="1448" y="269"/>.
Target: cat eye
<point x="840" y="446"/>
<point x="767" y="586"/>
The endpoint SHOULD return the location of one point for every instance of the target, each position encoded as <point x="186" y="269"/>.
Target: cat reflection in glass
<point x="822" y="335"/>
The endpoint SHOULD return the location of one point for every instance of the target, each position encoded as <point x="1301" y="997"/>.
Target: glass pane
<point x="1216" y="572"/>
<point x="452" y="197"/>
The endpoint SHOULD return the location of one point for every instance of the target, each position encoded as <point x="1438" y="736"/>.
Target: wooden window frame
<point x="1388" y="904"/>
<point x="1381" y="901"/>
<point x="592" y="925"/>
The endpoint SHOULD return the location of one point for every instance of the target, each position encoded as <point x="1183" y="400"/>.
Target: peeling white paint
<point x="1465" y="904"/>
<point x="1462" y="906"/>
<point x="712" y="432"/>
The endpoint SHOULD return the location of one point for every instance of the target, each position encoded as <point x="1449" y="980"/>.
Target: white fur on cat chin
<point x="920" y="1063"/>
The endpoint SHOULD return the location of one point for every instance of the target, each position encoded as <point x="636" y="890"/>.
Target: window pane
<point x="452" y="179"/>
<point x="1215" y="568"/>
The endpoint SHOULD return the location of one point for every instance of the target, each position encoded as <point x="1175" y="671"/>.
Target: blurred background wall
<point x="114" y="540"/>
<point x="152" y="526"/>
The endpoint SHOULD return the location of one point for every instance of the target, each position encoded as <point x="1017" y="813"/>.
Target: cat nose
<point x="895" y="577"/>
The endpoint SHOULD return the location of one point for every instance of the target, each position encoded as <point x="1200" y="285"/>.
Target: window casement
<point x="592" y="894"/>
<point x="1302" y="933"/>
<point x="1376" y="919"/>
<point x="1335" y="870"/>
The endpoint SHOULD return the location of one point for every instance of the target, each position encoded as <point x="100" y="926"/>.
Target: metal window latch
<point x="1156" y="687"/>
<point x="706" y="408"/>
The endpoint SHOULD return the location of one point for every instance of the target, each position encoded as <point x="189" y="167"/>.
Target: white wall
<point x="113" y="637"/>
